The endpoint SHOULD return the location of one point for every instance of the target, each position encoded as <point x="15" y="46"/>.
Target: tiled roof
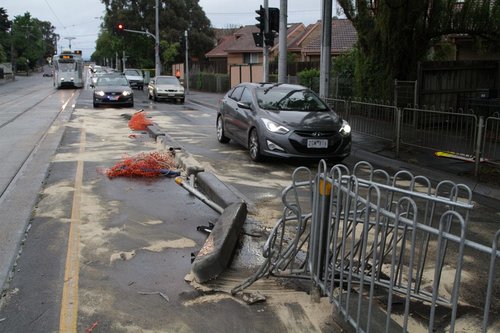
<point x="218" y="51"/>
<point x="242" y="41"/>
<point x="311" y="29"/>
<point x="344" y="36"/>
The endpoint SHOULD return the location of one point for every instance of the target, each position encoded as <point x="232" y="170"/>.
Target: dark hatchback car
<point x="282" y="120"/>
<point x="112" y="89"/>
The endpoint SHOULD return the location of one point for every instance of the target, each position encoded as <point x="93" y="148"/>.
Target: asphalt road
<point x="112" y="255"/>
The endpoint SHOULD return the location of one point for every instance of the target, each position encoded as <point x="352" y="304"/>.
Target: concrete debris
<point x="251" y="297"/>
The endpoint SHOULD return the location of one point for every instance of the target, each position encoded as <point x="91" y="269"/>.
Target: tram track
<point x="27" y="109"/>
<point x="25" y="161"/>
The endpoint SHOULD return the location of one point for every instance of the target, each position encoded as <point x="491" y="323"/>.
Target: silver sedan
<point x="282" y="120"/>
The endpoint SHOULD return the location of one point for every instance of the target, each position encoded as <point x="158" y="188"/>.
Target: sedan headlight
<point x="274" y="127"/>
<point x="345" y="129"/>
<point x="99" y="93"/>
<point x="126" y="93"/>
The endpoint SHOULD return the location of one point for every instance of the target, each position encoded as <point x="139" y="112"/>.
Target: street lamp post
<point x="70" y="39"/>
<point x="157" y="40"/>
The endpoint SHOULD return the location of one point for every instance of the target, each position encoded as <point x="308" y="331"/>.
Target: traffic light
<point x="269" y="38"/>
<point x="257" y="38"/>
<point x="261" y="18"/>
<point x="120" y="27"/>
<point x="274" y="19"/>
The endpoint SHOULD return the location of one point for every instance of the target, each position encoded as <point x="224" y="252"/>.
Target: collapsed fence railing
<point x="367" y="236"/>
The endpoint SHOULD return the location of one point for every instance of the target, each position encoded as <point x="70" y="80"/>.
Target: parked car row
<point x="114" y="88"/>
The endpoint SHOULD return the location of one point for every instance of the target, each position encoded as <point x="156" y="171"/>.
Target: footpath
<point x="381" y="154"/>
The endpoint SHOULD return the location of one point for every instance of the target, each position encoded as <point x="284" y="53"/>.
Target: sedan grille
<point x="315" y="134"/>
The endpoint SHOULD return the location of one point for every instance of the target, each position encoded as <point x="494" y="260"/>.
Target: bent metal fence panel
<point x="388" y="251"/>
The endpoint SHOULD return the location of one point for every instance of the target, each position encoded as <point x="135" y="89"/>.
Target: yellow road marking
<point x="69" y="302"/>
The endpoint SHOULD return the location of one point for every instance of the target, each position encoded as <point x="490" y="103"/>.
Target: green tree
<point x="175" y="16"/>
<point x="33" y="39"/>
<point x="393" y="35"/>
<point x="169" y="52"/>
<point x="4" y="35"/>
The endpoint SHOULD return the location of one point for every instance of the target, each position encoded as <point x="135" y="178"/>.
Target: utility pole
<point x="157" y="40"/>
<point x="124" y="59"/>
<point x="326" y="48"/>
<point x="265" y="49"/>
<point x="282" y="65"/>
<point x="186" y="65"/>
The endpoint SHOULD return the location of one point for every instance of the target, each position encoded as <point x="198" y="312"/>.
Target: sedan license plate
<point x="170" y="94"/>
<point x="113" y="98"/>
<point x="317" y="143"/>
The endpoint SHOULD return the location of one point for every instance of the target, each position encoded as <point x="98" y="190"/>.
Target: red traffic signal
<point x="120" y="26"/>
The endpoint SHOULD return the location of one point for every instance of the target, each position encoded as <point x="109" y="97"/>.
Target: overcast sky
<point x="81" y="18"/>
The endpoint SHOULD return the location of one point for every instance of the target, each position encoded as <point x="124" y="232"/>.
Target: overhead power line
<point x="55" y="15"/>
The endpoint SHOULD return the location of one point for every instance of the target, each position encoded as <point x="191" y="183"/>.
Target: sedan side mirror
<point x="244" y="105"/>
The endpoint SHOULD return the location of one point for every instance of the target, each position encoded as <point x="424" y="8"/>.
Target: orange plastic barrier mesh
<point x="139" y="122"/>
<point x="151" y="164"/>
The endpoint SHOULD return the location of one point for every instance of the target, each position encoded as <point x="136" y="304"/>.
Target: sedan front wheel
<point x="254" y="146"/>
<point x="220" y="131"/>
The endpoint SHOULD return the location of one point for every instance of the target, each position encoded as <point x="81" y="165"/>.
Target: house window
<point x="251" y="58"/>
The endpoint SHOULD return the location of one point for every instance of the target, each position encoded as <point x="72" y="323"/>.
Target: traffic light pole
<point x="157" y="48"/>
<point x="156" y="37"/>
<point x="265" y="48"/>
<point x="282" y="65"/>
<point x="326" y="49"/>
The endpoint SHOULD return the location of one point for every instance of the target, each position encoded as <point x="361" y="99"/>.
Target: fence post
<point x="478" y="145"/>
<point x="396" y="92"/>
<point x="398" y="130"/>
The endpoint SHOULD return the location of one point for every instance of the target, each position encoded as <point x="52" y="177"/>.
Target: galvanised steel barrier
<point x="373" y="119"/>
<point x="460" y="134"/>
<point x="440" y="131"/>
<point x="491" y="140"/>
<point x="382" y="248"/>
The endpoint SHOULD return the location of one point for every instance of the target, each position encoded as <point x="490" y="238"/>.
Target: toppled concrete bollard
<point x="217" y="251"/>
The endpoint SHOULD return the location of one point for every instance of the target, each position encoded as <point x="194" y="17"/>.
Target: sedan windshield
<point x="290" y="100"/>
<point x="112" y="81"/>
<point x="167" y="80"/>
<point x="132" y="72"/>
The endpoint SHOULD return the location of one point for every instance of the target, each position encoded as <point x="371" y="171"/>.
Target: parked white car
<point x="135" y="78"/>
<point x="167" y="88"/>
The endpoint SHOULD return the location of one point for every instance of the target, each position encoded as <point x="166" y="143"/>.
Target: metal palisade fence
<point x="472" y="135"/>
<point x="390" y="252"/>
